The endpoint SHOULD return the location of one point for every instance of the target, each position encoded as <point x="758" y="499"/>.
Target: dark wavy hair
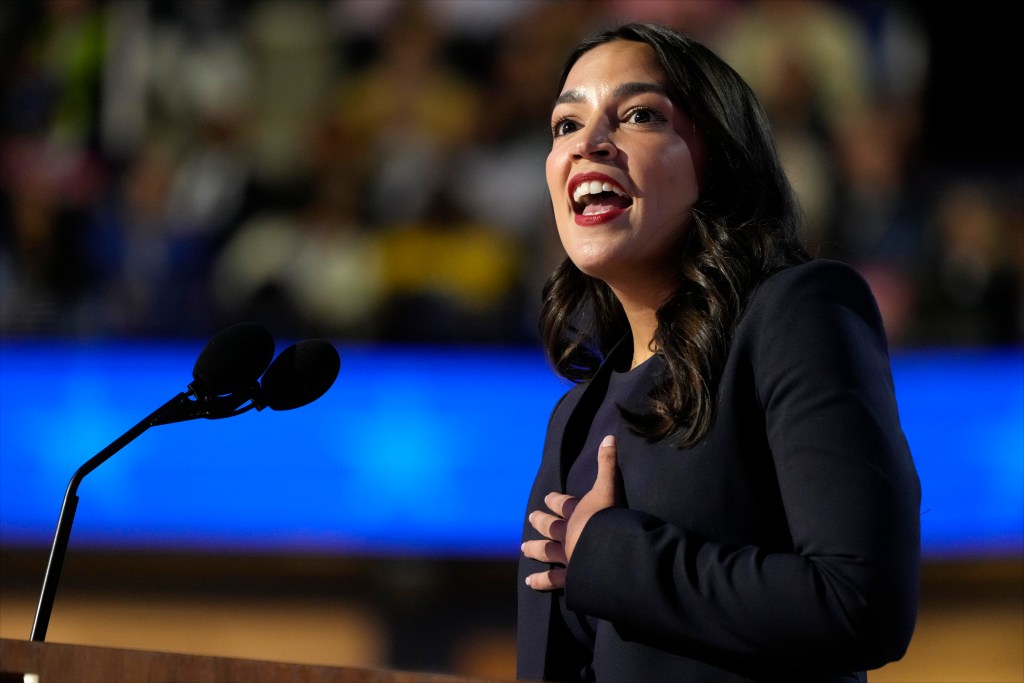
<point x="745" y="225"/>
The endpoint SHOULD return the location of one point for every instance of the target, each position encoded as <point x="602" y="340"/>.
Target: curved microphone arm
<point x="226" y="377"/>
<point x="184" y="406"/>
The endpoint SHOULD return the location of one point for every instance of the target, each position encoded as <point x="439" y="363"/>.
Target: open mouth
<point x="593" y="197"/>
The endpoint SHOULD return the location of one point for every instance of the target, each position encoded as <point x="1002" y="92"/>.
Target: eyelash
<point x="557" y="124"/>
<point x="656" y="116"/>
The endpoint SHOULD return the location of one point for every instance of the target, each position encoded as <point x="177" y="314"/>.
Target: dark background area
<point x="970" y="102"/>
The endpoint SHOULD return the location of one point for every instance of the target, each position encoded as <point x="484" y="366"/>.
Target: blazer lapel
<point x="579" y="409"/>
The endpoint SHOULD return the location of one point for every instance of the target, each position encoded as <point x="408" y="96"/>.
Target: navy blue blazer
<point x="783" y="547"/>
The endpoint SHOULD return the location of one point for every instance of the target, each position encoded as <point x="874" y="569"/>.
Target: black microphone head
<point x="233" y="360"/>
<point x="300" y="375"/>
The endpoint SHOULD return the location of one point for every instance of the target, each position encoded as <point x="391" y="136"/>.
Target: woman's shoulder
<point x="814" y="279"/>
<point x="818" y="272"/>
<point x="811" y="293"/>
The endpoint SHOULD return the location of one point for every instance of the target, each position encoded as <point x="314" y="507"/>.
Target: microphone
<point x="232" y="360"/>
<point x="226" y="375"/>
<point x="300" y="375"/>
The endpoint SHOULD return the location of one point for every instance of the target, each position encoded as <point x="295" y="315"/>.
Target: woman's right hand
<point x="561" y="530"/>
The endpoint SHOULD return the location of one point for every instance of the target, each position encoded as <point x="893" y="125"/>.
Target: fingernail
<point x="608" y="441"/>
<point x="523" y="547"/>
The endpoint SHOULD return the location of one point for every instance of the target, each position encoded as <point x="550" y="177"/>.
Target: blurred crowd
<point x="372" y="170"/>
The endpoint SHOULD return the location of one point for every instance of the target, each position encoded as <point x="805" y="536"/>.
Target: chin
<point x="600" y="269"/>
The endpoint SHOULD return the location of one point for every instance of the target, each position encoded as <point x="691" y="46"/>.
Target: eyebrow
<point x="622" y="90"/>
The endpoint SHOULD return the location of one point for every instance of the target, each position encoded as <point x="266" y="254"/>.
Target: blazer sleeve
<point x="844" y="596"/>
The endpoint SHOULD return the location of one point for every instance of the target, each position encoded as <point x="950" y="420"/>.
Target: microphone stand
<point x="178" y="409"/>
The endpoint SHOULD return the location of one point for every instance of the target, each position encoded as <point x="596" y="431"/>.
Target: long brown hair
<point x="745" y="226"/>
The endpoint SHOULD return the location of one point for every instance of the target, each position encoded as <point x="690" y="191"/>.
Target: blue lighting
<point x="411" y="452"/>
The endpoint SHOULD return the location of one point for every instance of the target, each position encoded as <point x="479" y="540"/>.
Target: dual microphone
<point x="228" y="373"/>
<point x="235" y="372"/>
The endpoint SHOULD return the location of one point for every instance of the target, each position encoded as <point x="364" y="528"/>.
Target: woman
<point x="726" y="494"/>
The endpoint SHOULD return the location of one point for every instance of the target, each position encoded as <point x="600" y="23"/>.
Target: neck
<point x="643" y="323"/>
<point x="640" y="302"/>
<point x="643" y="348"/>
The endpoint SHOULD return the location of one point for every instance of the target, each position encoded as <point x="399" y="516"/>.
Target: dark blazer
<point x="784" y="547"/>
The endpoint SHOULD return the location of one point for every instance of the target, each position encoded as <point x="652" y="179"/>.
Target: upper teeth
<point x="594" y="187"/>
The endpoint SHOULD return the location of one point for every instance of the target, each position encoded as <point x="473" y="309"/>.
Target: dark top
<point x="783" y="547"/>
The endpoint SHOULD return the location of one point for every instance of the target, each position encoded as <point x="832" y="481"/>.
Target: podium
<point x="63" y="663"/>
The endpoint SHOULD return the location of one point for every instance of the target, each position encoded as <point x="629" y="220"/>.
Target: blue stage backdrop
<point x="413" y="451"/>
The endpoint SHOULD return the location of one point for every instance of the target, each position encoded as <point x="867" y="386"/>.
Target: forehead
<point x="619" y="61"/>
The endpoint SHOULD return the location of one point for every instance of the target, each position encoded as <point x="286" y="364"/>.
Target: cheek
<point x="555" y="178"/>
<point x="684" y="182"/>
<point x="676" y="187"/>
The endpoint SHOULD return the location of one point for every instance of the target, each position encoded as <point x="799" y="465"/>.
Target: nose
<point x="594" y="143"/>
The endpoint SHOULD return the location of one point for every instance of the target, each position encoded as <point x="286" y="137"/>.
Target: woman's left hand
<point x="562" y="529"/>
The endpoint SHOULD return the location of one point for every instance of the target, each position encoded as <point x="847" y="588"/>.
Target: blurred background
<point x="371" y="172"/>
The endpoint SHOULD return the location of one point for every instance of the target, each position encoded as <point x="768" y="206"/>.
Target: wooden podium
<point x="61" y="663"/>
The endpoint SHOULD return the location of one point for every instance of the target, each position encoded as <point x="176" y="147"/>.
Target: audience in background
<point x="360" y="169"/>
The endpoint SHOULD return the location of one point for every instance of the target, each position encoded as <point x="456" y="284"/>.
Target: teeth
<point x="593" y="187"/>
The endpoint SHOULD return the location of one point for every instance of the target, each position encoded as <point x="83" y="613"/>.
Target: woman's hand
<point x="563" y="525"/>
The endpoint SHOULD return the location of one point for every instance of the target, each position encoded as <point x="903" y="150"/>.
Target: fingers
<point x="561" y="504"/>
<point x="607" y="461"/>
<point x="552" y="552"/>
<point x="552" y="525"/>
<point x="553" y="579"/>
<point x="548" y="525"/>
<point x="606" y="493"/>
<point x="607" y="450"/>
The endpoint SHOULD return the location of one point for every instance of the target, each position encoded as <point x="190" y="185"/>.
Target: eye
<point x="644" y="115"/>
<point x="563" y="126"/>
